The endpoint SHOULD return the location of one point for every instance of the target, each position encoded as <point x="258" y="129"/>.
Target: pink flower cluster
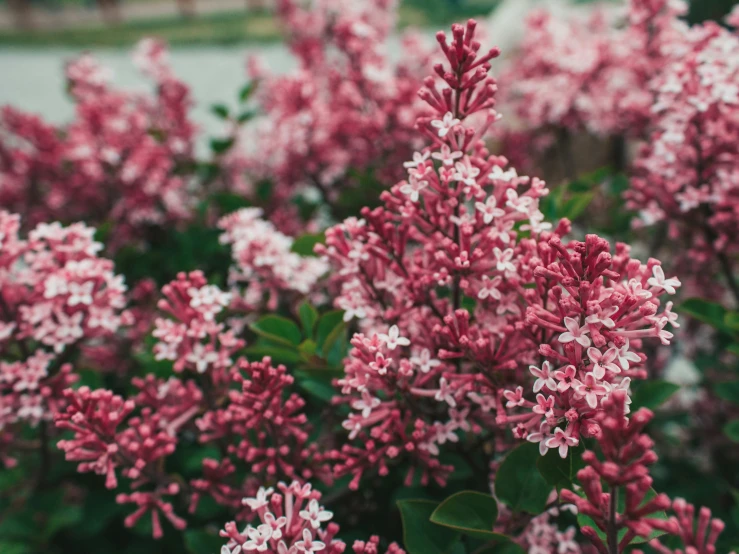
<point x="590" y="73"/>
<point x="118" y="161"/>
<point x="291" y="522"/>
<point x="685" y="174"/>
<point x="56" y="294"/>
<point x="627" y="453"/>
<point x="259" y="426"/>
<point x="590" y="316"/>
<point x="459" y="283"/>
<point x="264" y="263"/>
<point x="345" y="112"/>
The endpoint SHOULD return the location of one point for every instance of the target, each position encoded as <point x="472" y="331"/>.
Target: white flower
<point x="308" y="545"/>
<point x="258" y="538"/>
<point x="413" y="188"/>
<point x="393" y="338"/>
<point x="446" y="124"/>
<point x="659" y="280"/>
<point x="261" y="500"/>
<point x="315" y="514"/>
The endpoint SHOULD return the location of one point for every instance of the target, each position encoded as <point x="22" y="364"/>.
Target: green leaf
<point x="280" y="353"/>
<point x="198" y="541"/>
<point x="728" y="391"/>
<point x="469" y="512"/>
<point x="247" y="90"/>
<point x="731" y="430"/>
<point x="731" y="321"/>
<point x="733" y="348"/>
<point x="219" y="110"/>
<point x="305" y="244"/>
<point x="278" y="329"/>
<point x="220" y="146"/>
<point x="228" y="202"/>
<point x="519" y="483"/>
<point x="705" y="311"/>
<point x="318" y="388"/>
<point x="327" y="325"/>
<point x="246" y="115"/>
<point x="652" y="394"/>
<point x="420" y="536"/>
<point x="308" y="317"/>
<point x="15" y="547"/>
<point x="560" y="472"/>
<point x="576" y="205"/>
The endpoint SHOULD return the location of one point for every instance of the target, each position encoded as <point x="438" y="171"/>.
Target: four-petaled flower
<point x="659" y="280"/>
<point x="562" y="440"/>
<point x="446" y="124"/>
<point x="575" y="333"/>
<point x="393" y="338"/>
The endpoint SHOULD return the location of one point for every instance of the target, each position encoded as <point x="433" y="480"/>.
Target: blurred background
<point x="210" y="40"/>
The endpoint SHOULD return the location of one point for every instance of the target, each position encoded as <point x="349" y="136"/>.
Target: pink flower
<point x="590" y="389"/>
<point x="543" y="377"/>
<point x="602" y="361"/>
<point x="489" y="209"/>
<point x="561" y="440"/>
<point x="575" y="333"/>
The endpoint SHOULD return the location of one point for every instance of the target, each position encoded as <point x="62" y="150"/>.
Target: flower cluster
<point x="243" y="409"/>
<point x="590" y="73"/>
<point x="263" y="260"/>
<point x="627" y="453"/>
<point x="291" y="521"/>
<point x="344" y="113"/>
<point x="56" y="295"/>
<point x="424" y="371"/>
<point x="192" y="338"/>
<point x="590" y="316"/>
<point x="685" y="175"/>
<point x="119" y="161"/>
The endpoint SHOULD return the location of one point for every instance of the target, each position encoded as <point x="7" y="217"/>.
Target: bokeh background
<point x="210" y="40"/>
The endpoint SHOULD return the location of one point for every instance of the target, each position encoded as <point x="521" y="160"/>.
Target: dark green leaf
<point x="228" y="202"/>
<point x="731" y="430"/>
<point x="308" y="317"/>
<point x="706" y="311"/>
<point x="305" y="244"/>
<point x="652" y="394"/>
<point x="278" y="329"/>
<point x="198" y="541"/>
<point x="246" y="115"/>
<point x="471" y="513"/>
<point x="220" y="146"/>
<point x="731" y="320"/>
<point x="519" y="483"/>
<point x="220" y="110"/>
<point x="247" y="90"/>
<point x="327" y="325"/>
<point x="728" y="391"/>
<point x="420" y="536"/>
<point x="560" y="472"/>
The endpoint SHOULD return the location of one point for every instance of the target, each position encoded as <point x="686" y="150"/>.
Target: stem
<point x="612" y="529"/>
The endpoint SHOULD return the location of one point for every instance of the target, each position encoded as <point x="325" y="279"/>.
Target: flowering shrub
<point x="473" y="361"/>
